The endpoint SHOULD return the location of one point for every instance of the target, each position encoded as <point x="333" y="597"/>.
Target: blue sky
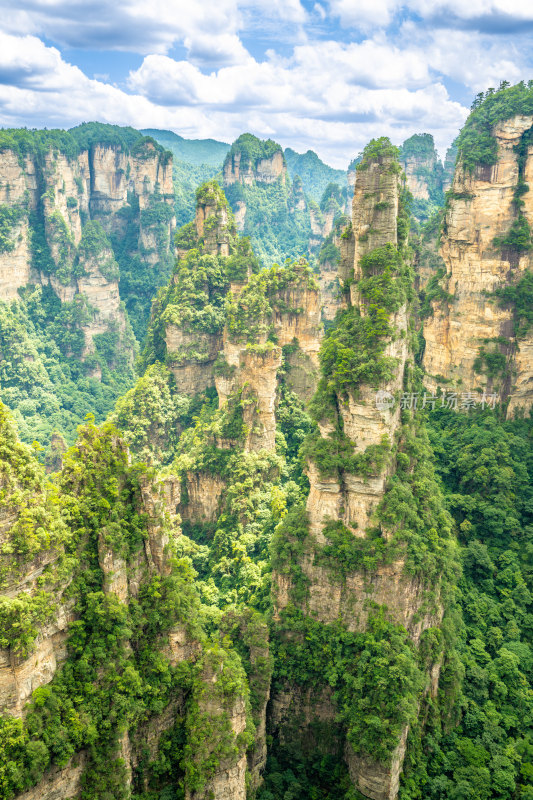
<point x="325" y="75"/>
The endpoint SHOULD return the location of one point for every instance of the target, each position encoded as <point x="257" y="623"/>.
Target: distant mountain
<point x="314" y="173"/>
<point x="193" y="151"/>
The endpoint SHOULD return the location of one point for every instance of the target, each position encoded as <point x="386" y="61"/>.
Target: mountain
<point x="315" y="174"/>
<point x="478" y="334"/>
<point x="199" y="152"/>
<point x="292" y="563"/>
<point x="270" y="208"/>
<point x="86" y="222"/>
<point x="424" y="174"/>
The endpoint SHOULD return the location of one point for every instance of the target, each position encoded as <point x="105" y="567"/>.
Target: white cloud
<point x="491" y="16"/>
<point x="365" y="14"/>
<point x="474" y="9"/>
<point x="329" y="95"/>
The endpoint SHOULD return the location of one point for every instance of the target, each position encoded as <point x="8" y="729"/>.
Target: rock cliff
<point x="424" y="174"/>
<point x="86" y="221"/>
<point x="353" y="466"/>
<point x="57" y="571"/>
<point x="252" y="161"/>
<point x="475" y="342"/>
<point x="272" y="210"/>
<point x="63" y="183"/>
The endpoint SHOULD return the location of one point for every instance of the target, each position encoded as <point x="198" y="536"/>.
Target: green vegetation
<point x="520" y="296"/>
<point x="518" y="239"/>
<point x="476" y="143"/>
<point x="420" y="149"/>
<point x="250" y="316"/>
<point x="95" y="246"/>
<point x="45" y="380"/>
<point x="10" y="217"/>
<point x="252" y="150"/>
<point x="275" y="221"/>
<point x="275" y="231"/>
<point x="139" y="243"/>
<point x="374" y="676"/>
<point x="376" y="150"/>
<point x="187" y="177"/>
<point x="188" y="557"/>
<point x="477" y="743"/>
<point x="352" y="352"/>
<point x="313" y="172"/>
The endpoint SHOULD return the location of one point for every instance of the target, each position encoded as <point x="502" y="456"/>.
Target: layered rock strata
<point x="471" y="342"/>
<point x="46" y="199"/>
<point x="351" y="497"/>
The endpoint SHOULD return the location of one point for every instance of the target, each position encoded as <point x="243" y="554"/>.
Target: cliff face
<point x="352" y="466"/>
<point x="472" y="337"/>
<point x="251" y="161"/>
<point x="47" y="198"/>
<point x="65" y="191"/>
<point x="55" y="574"/>
<point x="86" y="238"/>
<point x="423" y="170"/>
<point x="272" y="210"/>
<point x="334" y="250"/>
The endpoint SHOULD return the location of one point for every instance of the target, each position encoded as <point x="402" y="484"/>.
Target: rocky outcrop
<point x="332" y="251"/>
<point x="422" y="166"/>
<point x="349" y="497"/>
<point x="448" y="167"/>
<point x="251" y="161"/>
<point x="471" y="341"/>
<point x="59" y="783"/>
<point x="192" y="349"/>
<point x="48" y="197"/>
<point x="253" y="362"/>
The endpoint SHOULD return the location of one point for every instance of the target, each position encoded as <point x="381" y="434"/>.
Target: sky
<point x="326" y="76"/>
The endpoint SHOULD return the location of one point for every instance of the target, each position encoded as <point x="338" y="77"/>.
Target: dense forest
<point x="240" y="576"/>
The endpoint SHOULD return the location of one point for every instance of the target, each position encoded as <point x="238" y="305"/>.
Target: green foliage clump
<point x="476" y="142"/>
<point x="10" y="217"/>
<point x="249" y="316"/>
<point x="493" y="363"/>
<point x="352" y="351"/>
<point x="333" y="199"/>
<point x="345" y="552"/>
<point x="89" y="134"/>
<point x="477" y="742"/>
<point x="195" y="300"/>
<point x="420" y="144"/>
<point x="377" y="150"/>
<point x="288" y="547"/>
<point x="94" y="246"/>
<point x="252" y="150"/>
<point x="329" y="252"/>
<point x="519" y="237"/>
<point x="520" y="296"/>
<point x="335" y="454"/>
<point x="37" y="143"/>
<point x="152" y="414"/>
<point x="211" y="194"/>
<point x="242" y="263"/>
<point x="374" y="676"/>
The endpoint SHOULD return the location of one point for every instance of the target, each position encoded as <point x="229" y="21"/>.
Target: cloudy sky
<point x="325" y="75"/>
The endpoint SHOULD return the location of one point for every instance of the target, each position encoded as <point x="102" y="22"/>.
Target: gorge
<point x="290" y="556"/>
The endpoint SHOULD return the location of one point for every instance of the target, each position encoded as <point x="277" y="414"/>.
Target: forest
<point x="237" y="576"/>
